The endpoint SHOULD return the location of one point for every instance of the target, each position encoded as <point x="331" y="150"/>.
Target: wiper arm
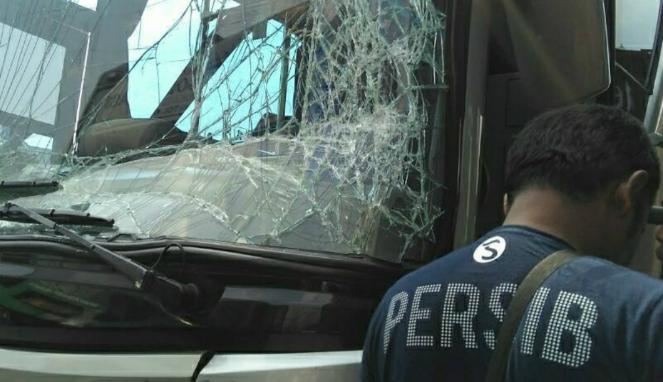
<point x="174" y="296"/>
<point x="14" y="213"/>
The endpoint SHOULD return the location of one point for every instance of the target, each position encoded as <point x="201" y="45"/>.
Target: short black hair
<point x="579" y="151"/>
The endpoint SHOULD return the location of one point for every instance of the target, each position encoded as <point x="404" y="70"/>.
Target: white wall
<point x="636" y="23"/>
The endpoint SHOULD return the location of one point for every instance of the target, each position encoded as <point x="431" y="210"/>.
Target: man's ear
<point x="629" y="190"/>
<point x="506" y="206"/>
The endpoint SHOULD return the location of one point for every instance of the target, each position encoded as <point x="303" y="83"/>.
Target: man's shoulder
<point x="624" y="293"/>
<point x="513" y="247"/>
<point x="602" y="277"/>
<point x="621" y="296"/>
<point x="436" y="271"/>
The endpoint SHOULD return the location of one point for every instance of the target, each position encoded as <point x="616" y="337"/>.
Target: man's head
<point x="598" y="163"/>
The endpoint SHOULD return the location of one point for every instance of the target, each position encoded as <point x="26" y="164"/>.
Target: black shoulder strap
<point x="517" y="307"/>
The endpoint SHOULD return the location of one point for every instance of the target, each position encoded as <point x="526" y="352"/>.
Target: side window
<point x="636" y="49"/>
<point x="249" y="84"/>
<point x="30" y="86"/>
<point x="635" y="35"/>
<point x="254" y="84"/>
<point x="160" y="48"/>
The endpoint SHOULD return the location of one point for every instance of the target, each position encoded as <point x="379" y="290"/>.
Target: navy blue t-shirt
<point x="591" y="320"/>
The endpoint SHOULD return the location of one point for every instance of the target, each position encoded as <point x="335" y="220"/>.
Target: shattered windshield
<point x="288" y="123"/>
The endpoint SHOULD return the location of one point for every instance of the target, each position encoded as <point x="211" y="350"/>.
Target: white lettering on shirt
<point x="495" y="305"/>
<point x="566" y="341"/>
<point x="578" y="351"/>
<point x="532" y="319"/>
<point x="416" y="314"/>
<point x="463" y="318"/>
<point x="393" y="318"/>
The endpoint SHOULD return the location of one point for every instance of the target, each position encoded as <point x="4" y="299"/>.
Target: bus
<point x="216" y="190"/>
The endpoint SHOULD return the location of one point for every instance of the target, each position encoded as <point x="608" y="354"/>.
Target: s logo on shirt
<point x="490" y="250"/>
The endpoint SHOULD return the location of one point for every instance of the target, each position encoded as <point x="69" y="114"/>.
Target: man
<point x="579" y="178"/>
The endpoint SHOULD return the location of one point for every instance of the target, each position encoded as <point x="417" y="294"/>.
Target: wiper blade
<point x="11" y="212"/>
<point x="14" y="189"/>
<point x="29" y="183"/>
<point x="174" y="296"/>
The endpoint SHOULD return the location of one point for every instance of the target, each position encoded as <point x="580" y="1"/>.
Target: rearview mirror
<point x="561" y="48"/>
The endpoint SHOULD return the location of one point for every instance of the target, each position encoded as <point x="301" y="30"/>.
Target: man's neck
<point x="550" y="212"/>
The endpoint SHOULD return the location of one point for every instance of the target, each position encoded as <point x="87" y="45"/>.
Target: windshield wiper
<point x="173" y="296"/>
<point x="15" y="189"/>
<point x="12" y="212"/>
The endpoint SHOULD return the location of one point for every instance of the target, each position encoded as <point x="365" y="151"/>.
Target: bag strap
<point x="517" y="307"/>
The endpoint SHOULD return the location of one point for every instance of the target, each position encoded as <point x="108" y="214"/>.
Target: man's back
<point x="591" y="321"/>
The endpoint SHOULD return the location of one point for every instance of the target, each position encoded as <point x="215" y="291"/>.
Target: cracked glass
<point x="284" y="123"/>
